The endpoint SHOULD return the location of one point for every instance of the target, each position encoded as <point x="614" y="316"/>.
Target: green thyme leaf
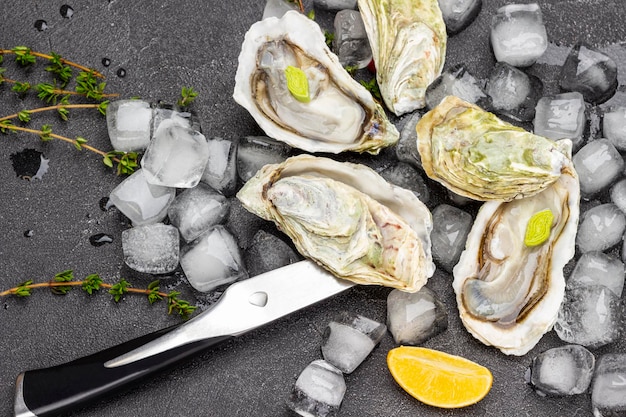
<point x="118" y="290"/>
<point x="92" y="283"/>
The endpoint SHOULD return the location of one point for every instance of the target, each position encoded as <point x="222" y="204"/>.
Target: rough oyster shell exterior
<point x="341" y="114"/>
<point x="347" y="218"/>
<point x="509" y="294"/>
<point x="408" y="40"/>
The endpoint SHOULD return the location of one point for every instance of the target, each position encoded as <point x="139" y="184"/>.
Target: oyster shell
<point x="408" y="40"/>
<point x="476" y="155"/>
<point x="509" y="293"/>
<point x="340" y="114"/>
<point x="347" y="218"/>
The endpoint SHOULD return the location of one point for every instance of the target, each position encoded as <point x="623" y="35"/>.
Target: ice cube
<point x="513" y="93"/>
<point x="129" y="123"/>
<point x="601" y="228"/>
<point x="413" y="318"/>
<point x="335" y="4"/>
<point x="349" y="339"/>
<point x="618" y="194"/>
<point x="196" y="210"/>
<point x="406" y="149"/>
<point x="614" y="127"/>
<point x="405" y="176"/>
<point x="457" y="81"/>
<point x="151" y="249"/>
<point x="350" y="43"/>
<point x="318" y="391"/>
<point x="277" y="8"/>
<point x="256" y="151"/>
<point x="451" y="226"/>
<point x="176" y="156"/>
<point x="590" y="72"/>
<point x="589" y="316"/>
<point x="561" y="116"/>
<point x="564" y="370"/>
<point x="268" y="252"/>
<point x="518" y="35"/>
<point x="459" y="200"/>
<point x="221" y="169"/>
<point x="608" y="392"/>
<point x="597" y="268"/>
<point x="598" y="165"/>
<point x="459" y="14"/>
<point x="164" y="112"/>
<point x="212" y="260"/>
<point x="140" y="201"/>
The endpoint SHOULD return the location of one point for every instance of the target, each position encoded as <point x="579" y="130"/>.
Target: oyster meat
<point x="476" y="155"/>
<point x="298" y="92"/>
<point x="347" y="218"/>
<point x="510" y="286"/>
<point x="408" y="40"/>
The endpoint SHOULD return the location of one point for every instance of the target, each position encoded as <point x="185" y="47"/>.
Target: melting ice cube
<point x="459" y="14"/>
<point x="221" y="169"/>
<point x="514" y="93"/>
<point x="152" y="249"/>
<point x="318" y="391"/>
<point x="405" y="176"/>
<point x="277" y="8"/>
<point x="451" y="226"/>
<point x="597" y="268"/>
<point x="406" y="150"/>
<point x="601" y="228"/>
<point x="256" y="151"/>
<point x="608" y="392"/>
<point x="598" y="165"/>
<point x="561" y="116"/>
<point x="129" y="123"/>
<point x="614" y="127"/>
<point x="457" y="81"/>
<point x="564" y="370"/>
<point x="350" y="43"/>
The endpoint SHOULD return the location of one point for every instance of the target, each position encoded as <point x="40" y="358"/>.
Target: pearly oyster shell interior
<point x="508" y="293"/>
<point x="408" y="40"/>
<point x="340" y="115"/>
<point x="347" y="218"/>
<point x="474" y="154"/>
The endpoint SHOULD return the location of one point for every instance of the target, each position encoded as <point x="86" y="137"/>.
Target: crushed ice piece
<point x="589" y="316"/>
<point x="590" y="72"/>
<point x="451" y="226"/>
<point x="560" y="371"/>
<point x="459" y="14"/>
<point x="212" y="260"/>
<point x="221" y="169"/>
<point x="335" y="4"/>
<point x="143" y="203"/>
<point x="618" y="194"/>
<point x="608" y="391"/>
<point x="268" y="252"/>
<point x="256" y="151"/>
<point x="598" y="165"/>
<point x="601" y="228"/>
<point x="614" y="127"/>
<point x="413" y="318"/>
<point x="196" y="210"/>
<point x="277" y="8"/>
<point x="152" y="249"/>
<point x="351" y="43"/>
<point x="518" y="35"/>
<point x="176" y="156"/>
<point x="513" y="93"/>
<point x="597" y="268"/>
<point x="561" y="116"/>
<point x="457" y="81"/>
<point x="318" y="391"/>
<point x="129" y="124"/>
<point x="405" y="176"/>
<point x="406" y="149"/>
<point x="349" y="339"/>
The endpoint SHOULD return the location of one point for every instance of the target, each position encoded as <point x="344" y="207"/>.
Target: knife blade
<point x="244" y="306"/>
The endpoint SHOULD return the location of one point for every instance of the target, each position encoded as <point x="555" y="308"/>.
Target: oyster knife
<point x="244" y="306"/>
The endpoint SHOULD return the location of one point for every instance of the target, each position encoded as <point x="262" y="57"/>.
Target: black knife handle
<point x="52" y="391"/>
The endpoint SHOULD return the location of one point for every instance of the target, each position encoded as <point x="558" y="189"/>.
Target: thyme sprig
<point x="63" y="282"/>
<point x="187" y="96"/>
<point x="26" y="56"/>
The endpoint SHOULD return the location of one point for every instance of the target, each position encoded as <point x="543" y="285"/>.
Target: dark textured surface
<point x="164" y="45"/>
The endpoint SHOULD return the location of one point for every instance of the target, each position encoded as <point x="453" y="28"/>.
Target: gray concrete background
<point x="164" y="45"/>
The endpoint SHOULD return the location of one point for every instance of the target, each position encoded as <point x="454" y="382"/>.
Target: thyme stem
<point x="63" y="60"/>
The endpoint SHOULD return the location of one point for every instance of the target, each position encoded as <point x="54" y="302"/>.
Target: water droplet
<point x="106" y="62"/>
<point x="41" y="25"/>
<point x="100" y="239"/>
<point x="29" y="164"/>
<point x="67" y="11"/>
<point x="121" y="73"/>
<point x="29" y="233"/>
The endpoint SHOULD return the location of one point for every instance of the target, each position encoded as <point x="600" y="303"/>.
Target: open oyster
<point x="475" y="154"/>
<point x="347" y="218"/>
<point x="298" y="92"/>
<point x="408" y="40"/>
<point x="509" y="280"/>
